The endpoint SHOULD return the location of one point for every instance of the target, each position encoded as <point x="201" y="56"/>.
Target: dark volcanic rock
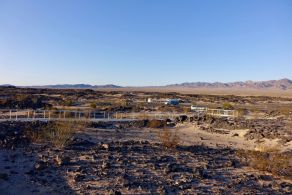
<point x="181" y="118"/>
<point x="80" y="144"/>
<point x="258" y="128"/>
<point x="3" y="176"/>
<point x="15" y="134"/>
<point x="39" y="166"/>
<point x="174" y="167"/>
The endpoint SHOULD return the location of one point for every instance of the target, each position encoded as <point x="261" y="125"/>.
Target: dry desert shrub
<point x="156" y="123"/>
<point x="186" y="109"/>
<point x="62" y="131"/>
<point x="57" y="133"/>
<point x="93" y="105"/>
<point x="168" y="138"/>
<point x="36" y="134"/>
<point x="227" y="106"/>
<point x="270" y="160"/>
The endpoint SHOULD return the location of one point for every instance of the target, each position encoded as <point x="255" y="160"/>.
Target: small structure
<point x="149" y="100"/>
<point x="215" y="112"/>
<point x="222" y="113"/>
<point x="172" y="102"/>
<point x="200" y="109"/>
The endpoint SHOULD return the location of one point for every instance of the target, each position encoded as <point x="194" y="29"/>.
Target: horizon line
<point x="43" y="85"/>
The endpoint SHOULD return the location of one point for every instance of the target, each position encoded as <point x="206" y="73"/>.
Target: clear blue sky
<point x="144" y="42"/>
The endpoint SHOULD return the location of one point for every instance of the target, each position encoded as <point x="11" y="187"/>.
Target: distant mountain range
<point x="76" y="86"/>
<point x="66" y="86"/>
<point x="283" y="84"/>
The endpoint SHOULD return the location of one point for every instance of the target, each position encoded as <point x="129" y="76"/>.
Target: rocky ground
<point x="131" y="167"/>
<point x="124" y="159"/>
<point x="258" y="129"/>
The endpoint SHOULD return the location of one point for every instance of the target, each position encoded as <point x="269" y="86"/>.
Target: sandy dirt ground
<point x="189" y="135"/>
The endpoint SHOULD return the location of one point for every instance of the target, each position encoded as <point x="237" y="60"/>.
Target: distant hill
<point x="283" y="84"/>
<point x="107" y="86"/>
<point x="7" y="85"/>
